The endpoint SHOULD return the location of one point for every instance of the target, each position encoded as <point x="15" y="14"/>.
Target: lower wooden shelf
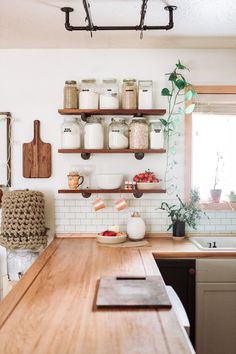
<point x="86" y="193"/>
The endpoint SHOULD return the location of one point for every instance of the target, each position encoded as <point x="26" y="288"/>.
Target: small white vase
<point x="136" y="227"/>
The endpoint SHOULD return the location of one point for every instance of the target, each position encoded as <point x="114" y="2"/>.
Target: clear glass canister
<point x="138" y="134"/>
<point x="118" y="134"/>
<point x="156" y="135"/>
<point x="109" y="97"/>
<point x="70" y="134"/>
<point x="145" y="96"/>
<point x="18" y="261"/>
<point x="129" y="94"/>
<point x="70" y="94"/>
<point x="88" y="96"/>
<point x="94" y="134"/>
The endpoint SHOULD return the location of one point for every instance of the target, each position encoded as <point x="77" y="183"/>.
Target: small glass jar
<point x="145" y="96"/>
<point x="94" y="133"/>
<point x="109" y="97"/>
<point x="88" y="96"/>
<point x="118" y="134"/>
<point x="156" y="135"/>
<point x="70" y="134"/>
<point x="138" y="134"/>
<point x="129" y="94"/>
<point x="70" y="94"/>
<point x="18" y="261"/>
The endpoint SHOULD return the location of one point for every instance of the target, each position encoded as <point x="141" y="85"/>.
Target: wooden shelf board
<point x="120" y="191"/>
<point x="126" y="112"/>
<point x="112" y="151"/>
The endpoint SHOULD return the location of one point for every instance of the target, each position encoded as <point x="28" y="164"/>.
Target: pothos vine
<point x="179" y="97"/>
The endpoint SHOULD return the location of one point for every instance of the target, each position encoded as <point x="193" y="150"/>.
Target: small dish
<point x="146" y="185"/>
<point x="112" y="239"/>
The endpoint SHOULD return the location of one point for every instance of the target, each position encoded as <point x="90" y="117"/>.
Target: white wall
<point x="31" y="87"/>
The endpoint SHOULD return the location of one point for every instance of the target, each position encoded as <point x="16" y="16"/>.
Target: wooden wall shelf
<point x="109" y="112"/>
<point x="86" y="153"/>
<point x="86" y="193"/>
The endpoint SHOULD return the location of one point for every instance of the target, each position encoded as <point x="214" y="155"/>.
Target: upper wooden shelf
<point x="115" y="112"/>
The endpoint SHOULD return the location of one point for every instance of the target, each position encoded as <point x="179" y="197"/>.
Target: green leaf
<point x="172" y="76"/>
<point x="173" y="150"/>
<point x="163" y="122"/>
<point x="190" y="108"/>
<point x="181" y="66"/>
<point x="180" y="84"/>
<point x="165" y="92"/>
<point x="188" y="95"/>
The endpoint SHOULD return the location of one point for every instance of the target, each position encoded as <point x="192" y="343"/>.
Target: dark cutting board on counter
<point x="125" y="292"/>
<point x="37" y="156"/>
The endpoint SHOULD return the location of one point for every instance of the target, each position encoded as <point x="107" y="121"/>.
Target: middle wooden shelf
<point x="86" y="153"/>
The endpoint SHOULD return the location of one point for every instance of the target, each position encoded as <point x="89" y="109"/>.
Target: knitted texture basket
<point x="23" y="220"/>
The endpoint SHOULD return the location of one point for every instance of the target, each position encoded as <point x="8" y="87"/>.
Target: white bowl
<point x="111" y="181"/>
<point x="146" y="185"/>
<point x="111" y="239"/>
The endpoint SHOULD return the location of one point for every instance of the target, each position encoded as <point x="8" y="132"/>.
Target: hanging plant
<point x="179" y="92"/>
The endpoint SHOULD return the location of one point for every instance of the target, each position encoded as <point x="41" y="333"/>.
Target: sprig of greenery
<point x="189" y="212"/>
<point x="178" y="84"/>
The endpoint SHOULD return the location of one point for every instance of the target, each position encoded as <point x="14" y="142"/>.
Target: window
<point x="210" y="134"/>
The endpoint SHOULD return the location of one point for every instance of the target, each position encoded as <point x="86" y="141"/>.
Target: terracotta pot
<point x="179" y="229"/>
<point x="215" y="195"/>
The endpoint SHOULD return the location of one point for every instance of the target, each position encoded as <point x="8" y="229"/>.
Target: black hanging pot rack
<point x="90" y="27"/>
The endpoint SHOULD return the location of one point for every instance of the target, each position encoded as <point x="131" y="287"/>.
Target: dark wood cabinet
<point x="180" y="274"/>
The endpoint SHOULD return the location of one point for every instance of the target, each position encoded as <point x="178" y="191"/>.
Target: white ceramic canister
<point x="70" y="134"/>
<point x="136" y="227"/>
<point x="93" y="134"/>
<point x="18" y="261"/>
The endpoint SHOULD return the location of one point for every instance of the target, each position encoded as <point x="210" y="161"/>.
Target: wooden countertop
<point x="51" y="310"/>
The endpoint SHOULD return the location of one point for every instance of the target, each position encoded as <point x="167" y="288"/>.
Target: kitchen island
<point x="52" y="309"/>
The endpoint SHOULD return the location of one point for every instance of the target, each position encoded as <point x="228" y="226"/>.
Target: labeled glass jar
<point x="109" y="97"/>
<point x="145" y="94"/>
<point x="118" y="134"/>
<point x="70" y="94"/>
<point x="70" y="134"/>
<point x="129" y="94"/>
<point x="94" y="133"/>
<point x="138" y="134"/>
<point x="156" y="137"/>
<point x="88" y="96"/>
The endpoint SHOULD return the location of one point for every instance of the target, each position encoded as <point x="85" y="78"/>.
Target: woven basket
<point x="23" y="220"/>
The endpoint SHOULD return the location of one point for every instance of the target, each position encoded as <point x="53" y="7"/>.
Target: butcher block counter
<point x="52" y="309"/>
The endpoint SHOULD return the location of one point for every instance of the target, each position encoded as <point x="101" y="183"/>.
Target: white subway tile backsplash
<point x="73" y="215"/>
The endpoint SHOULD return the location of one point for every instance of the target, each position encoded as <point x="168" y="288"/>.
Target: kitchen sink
<point x="215" y="243"/>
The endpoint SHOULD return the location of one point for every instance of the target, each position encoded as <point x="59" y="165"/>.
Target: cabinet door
<point x="216" y="318"/>
<point x="180" y="274"/>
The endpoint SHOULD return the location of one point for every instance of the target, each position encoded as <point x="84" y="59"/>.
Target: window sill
<point x="219" y="206"/>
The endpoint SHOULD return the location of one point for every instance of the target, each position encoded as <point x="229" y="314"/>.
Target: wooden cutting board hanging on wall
<point x="37" y="156"/>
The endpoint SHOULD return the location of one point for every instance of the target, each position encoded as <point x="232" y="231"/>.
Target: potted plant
<point x="187" y="213"/>
<point x="232" y="197"/>
<point x="216" y="192"/>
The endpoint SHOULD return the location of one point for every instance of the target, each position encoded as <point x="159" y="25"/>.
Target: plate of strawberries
<point x="147" y="180"/>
